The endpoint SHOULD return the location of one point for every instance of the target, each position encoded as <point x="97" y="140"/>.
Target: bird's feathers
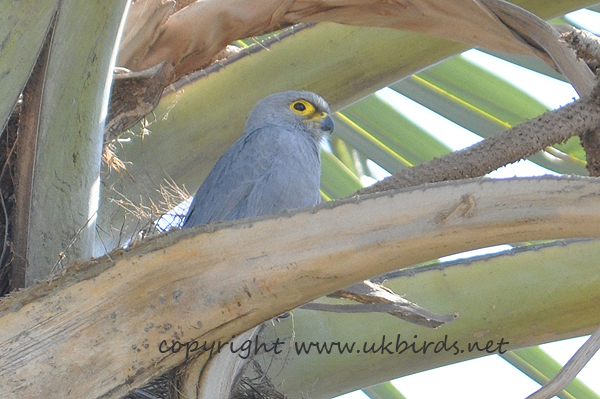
<point x="274" y="166"/>
<point x="249" y="181"/>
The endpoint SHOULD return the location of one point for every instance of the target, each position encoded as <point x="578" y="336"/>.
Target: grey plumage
<point x="274" y="166"/>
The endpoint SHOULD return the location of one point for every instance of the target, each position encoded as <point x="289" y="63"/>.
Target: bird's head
<point x="301" y="110"/>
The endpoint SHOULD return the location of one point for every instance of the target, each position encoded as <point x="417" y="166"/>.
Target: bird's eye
<point x="302" y="107"/>
<point x="299" y="107"/>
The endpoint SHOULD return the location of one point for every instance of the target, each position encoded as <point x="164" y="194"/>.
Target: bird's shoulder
<point x="249" y="162"/>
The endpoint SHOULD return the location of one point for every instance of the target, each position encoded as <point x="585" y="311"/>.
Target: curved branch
<point x="211" y="282"/>
<point x="567" y="374"/>
<point x="191" y="37"/>
<point x="502" y="148"/>
<point x="538" y="33"/>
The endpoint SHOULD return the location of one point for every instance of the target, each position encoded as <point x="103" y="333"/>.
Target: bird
<point x="274" y="166"/>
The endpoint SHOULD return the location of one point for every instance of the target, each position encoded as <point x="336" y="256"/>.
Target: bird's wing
<point x="263" y="172"/>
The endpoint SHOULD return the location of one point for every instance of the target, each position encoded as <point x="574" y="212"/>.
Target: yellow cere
<point x="318" y="115"/>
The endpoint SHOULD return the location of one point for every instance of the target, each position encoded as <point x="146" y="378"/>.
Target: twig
<point x="362" y="308"/>
<point x="570" y="370"/>
<point x="5" y="243"/>
<point x="63" y="253"/>
<point x="5" y="211"/>
<point x="377" y="298"/>
<point x="427" y="321"/>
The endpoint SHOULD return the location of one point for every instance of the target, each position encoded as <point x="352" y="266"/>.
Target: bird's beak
<point x="325" y="123"/>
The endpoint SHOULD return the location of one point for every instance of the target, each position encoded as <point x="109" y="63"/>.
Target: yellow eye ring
<point x="302" y="107"/>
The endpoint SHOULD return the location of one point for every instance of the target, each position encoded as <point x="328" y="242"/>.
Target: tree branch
<point x="590" y="141"/>
<point x="502" y="148"/>
<point x="212" y="282"/>
<point x="587" y="47"/>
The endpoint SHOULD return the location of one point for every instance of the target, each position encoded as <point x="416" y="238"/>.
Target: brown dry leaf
<point x="458" y="20"/>
<point x="190" y="37"/>
<point x="538" y="34"/>
<point x="144" y="23"/>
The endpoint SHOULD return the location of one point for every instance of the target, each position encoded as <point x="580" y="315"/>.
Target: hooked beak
<point x="326" y="124"/>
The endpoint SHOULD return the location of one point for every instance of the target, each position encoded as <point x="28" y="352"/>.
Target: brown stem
<point x="590" y="141"/>
<point x="587" y="47"/>
<point x="539" y="34"/>
<point x="26" y="152"/>
<point x="501" y="149"/>
<point x="585" y="44"/>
